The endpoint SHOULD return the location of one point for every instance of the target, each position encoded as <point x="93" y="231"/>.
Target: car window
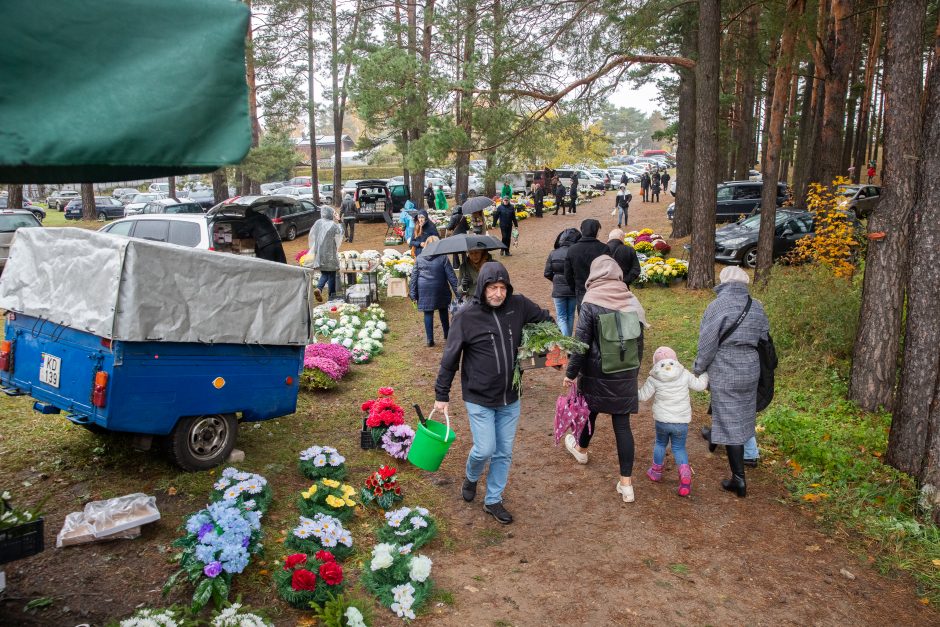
<point x="184" y="233"/>
<point x="747" y="192"/>
<point x="725" y="193"/>
<point x="871" y="191"/>
<point x="121" y="228"/>
<point x="155" y="230"/>
<point x="307" y="205"/>
<point x="11" y="222"/>
<point x="806" y="224"/>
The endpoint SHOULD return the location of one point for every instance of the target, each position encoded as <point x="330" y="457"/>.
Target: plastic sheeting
<point x="120" y="517"/>
<point x="136" y="290"/>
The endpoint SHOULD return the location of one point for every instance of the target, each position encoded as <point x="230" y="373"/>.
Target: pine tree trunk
<point x="742" y="144"/>
<point x="771" y="169"/>
<point x="914" y="441"/>
<point x="768" y="101"/>
<point x="842" y="46"/>
<point x="804" y="147"/>
<point x="89" y="211"/>
<point x="219" y="185"/>
<point x="465" y="101"/>
<point x="251" y="187"/>
<point x="786" y="152"/>
<point x="171" y="187"/>
<point x="702" y="262"/>
<point x="312" y="107"/>
<point x="14" y="196"/>
<point x="875" y="355"/>
<point x="685" y="152"/>
<point x="864" y="116"/>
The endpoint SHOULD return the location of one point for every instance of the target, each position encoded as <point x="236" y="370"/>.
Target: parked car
<point x="306" y="181"/>
<point x="291" y="190"/>
<point x="267" y="188"/>
<point x="122" y="193"/>
<point x="168" y="205"/>
<point x="754" y="175"/>
<point x="136" y="204"/>
<point x="737" y="198"/>
<point x="61" y="198"/>
<point x="35" y="209"/>
<point x="862" y="199"/>
<point x="292" y="218"/>
<point x="205" y="198"/>
<point x="374" y="197"/>
<point x="448" y="190"/>
<point x="737" y="243"/>
<point x="163" y="188"/>
<point x="349" y="187"/>
<point x="106" y="208"/>
<point x="10" y="221"/>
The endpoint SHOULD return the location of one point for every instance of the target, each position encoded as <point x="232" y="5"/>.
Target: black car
<point x="106" y="208"/>
<point x="205" y="198"/>
<point x="35" y="209"/>
<point x="737" y="243"/>
<point x="291" y="218"/>
<point x="374" y="197"/>
<point x="737" y="198"/>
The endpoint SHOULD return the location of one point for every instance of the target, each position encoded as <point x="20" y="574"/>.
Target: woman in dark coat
<point x="615" y="394"/>
<point x="424" y="229"/>
<point x="733" y="368"/>
<point x="432" y="283"/>
<point x="562" y="294"/>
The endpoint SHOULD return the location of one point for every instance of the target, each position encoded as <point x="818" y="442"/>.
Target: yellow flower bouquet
<point x="328" y="496"/>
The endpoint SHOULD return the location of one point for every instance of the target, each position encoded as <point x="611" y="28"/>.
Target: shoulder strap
<point x="620" y="335"/>
<point x="733" y="327"/>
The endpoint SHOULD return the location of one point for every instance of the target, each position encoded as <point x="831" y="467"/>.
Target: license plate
<point x="50" y="369"/>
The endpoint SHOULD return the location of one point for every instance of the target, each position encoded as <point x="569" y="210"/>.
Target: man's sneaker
<point x="497" y="511"/>
<point x="469" y="490"/>
<point x="570" y="444"/>
<point x="752" y="463"/>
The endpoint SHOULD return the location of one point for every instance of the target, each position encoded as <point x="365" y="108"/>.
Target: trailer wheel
<point x="202" y="442"/>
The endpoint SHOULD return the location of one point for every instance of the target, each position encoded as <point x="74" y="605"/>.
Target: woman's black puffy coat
<point x="555" y="264"/>
<point x="605" y="393"/>
<point x="432" y="282"/>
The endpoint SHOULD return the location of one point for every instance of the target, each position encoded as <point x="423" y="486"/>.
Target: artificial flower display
<point x="340" y="611"/>
<point x="319" y="532"/>
<point x="338" y="354"/>
<point x="382" y="488"/>
<point x="249" y="489"/>
<point x="662" y="271"/>
<point x="330" y="497"/>
<point x="397" y="440"/>
<point x="407" y="525"/>
<point x="647" y="243"/>
<point x="306" y="579"/>
<point x="237" y="615"/>
<point x="322" y="462"/>
<point x="150" y="617"/>
<point x="382" y="413"/>
<point x="400" y="580"/>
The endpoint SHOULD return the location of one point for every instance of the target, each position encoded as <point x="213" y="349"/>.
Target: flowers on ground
<point x="306" y="579"/>
<point x="647" y="243"/>
<point x="400" y="580"/>
<point x="407" y="525"/>
<point x="148" y="617"/>
<point x="338" y="354"/>
<point x="249" y="489"/>
<point x="329" y="497"/>
<point x="383" y="412"/>
<point x="662" y="271"/>
<point x="236" y="615"/>
<point x="319" y="462"/>
<point x="397" y="440"/>
<point x="382" y="488"/>
<point x="320" y="532"/>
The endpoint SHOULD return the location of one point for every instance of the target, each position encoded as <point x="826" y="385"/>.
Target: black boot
<point x="737" y="482"/>
<point x="707" y="434"/>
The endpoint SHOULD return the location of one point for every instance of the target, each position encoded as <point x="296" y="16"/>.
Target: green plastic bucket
<point x="431" y="443"/>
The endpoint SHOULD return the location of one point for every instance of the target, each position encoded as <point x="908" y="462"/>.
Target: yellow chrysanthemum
<point x="330" y="483"/>
<point x="335" y="502"/>
<point x="309" y="492"/>
<point x="349" y="502"/>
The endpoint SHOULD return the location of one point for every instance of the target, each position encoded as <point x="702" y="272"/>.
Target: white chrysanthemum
<point x="420" y="568"/>
<point x="381" y="556"/>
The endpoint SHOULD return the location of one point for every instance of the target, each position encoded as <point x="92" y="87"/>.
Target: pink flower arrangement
<point x="327" y="366"/>
<point x="397" y="440"/>
<point x="334" y="352"/>
<point x="662" y="247"/>
<point x="298" y="256"/>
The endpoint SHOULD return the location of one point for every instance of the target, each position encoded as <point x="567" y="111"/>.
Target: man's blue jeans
<point x="564" y="311"/>
<point x="750" y="449"/>
<point x="327" y="278"/>
<point x="494" y="431"/>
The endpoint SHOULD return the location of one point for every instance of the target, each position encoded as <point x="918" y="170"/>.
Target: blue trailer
<point x="138" y="370"/>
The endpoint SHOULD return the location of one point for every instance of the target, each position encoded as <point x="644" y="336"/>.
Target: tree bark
<point x="702" y="262"/>
<point x="465" y="99"/>
<point x="786" y="153"/>
<point x="742" y="141"/>
<point x="804" y="152"/>
<point x="875" y="355"/>
<point x="685" y="152"/>
<point x="771" y="169"/>
<point x="914" y="441"/>
<point x="251" y="187"/>
<point x="842" y="42"/>
<point x="219" y="185"/>
<point x="89" y="211"/>
<point x="864" y="116"/>
<point x="340" y="94"/>
<point x="171" y="187"/>
<point x="14" y="196"/>
<point x="312" y="108"/>
<point x="768" y="100"/>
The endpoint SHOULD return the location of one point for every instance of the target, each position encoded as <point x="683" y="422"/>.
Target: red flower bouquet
<point x="305" y="579"/>
<point x="382" y="413"/>
<point x="382" y="488"/>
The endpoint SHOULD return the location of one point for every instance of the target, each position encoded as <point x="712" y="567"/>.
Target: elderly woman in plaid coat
<point x="733" y="368"/>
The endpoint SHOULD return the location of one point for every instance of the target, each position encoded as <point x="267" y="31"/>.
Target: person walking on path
<point x="871" y="172"/>
<point x="429" y="195"/>
<point x="562" y="294"/>
<point x="440" y="199"/>
<point x="323" y="244"/>
<point x="581" y="255"/>
<point x="623" y="179"/>
<point x="424" y="229"/>
<point x="432" y="282"/>
<point x="665" y="181"/>
<point x="733" y="367"/>
<point x="668" y="385"/>
<point x="458" y="223"/>
<point x="469" y="271"/>
<point x="622" y="205"/>
<point x="573" y="194"/>
<point x="559" y="197"/>
<point x="654" y="187"/>
<point x="538" y="198"/>
<point x="483" y="343"/>
<point x="624" y="255"/>
<point x="347" y="212"/>
<point x="505" y="217"/>
<point x="645" y="186"/>
<point x="614" y="393"/>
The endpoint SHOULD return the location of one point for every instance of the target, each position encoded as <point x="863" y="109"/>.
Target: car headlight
<point x="733" y="243"/>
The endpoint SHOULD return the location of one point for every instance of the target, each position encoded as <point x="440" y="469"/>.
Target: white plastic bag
<point x="120" y="517"/>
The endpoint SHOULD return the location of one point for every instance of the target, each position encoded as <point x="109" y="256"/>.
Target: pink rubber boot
<point x="655" y="473"/>
<point x="685" y="480"/>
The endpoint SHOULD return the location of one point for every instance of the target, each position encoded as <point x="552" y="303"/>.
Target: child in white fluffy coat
<point x="669" y="382"/>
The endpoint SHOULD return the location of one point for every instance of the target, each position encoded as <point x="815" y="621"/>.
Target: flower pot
<point x="366" y="441"/>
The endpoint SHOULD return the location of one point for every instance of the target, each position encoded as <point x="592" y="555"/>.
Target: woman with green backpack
<point x="611" y="324"/>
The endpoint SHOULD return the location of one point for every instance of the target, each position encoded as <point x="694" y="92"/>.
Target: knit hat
<point x="734" y="273"/>
<point x="663" y="352"/>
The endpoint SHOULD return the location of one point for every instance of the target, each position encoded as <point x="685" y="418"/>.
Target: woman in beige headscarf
<point x="617" y="393"/>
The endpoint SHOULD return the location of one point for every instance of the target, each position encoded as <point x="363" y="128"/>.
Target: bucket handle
<point x="446" y="417"/>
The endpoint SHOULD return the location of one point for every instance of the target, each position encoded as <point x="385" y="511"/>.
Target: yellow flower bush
<point x="662" y="271"/>
<point x="835" y="242"/>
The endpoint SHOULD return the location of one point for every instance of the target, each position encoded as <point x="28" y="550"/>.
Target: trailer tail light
<point x="99" y="394"/>
<point x="5" y="347"/>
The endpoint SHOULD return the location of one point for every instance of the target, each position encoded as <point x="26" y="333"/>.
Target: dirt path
<point x="577" y="555"/>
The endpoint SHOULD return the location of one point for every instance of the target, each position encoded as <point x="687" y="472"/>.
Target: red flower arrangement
<point x="383" y="412"/>
<point x="661" y="246"/>
<point x="382" y="488"/>
<point x="299" y="585"/>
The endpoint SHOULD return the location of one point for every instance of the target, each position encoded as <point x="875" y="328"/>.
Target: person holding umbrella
<point x="432" y="282"/>
<point x="505" y="216"/>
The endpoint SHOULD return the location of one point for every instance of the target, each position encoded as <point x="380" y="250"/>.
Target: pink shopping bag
<point x="571" y="414"/>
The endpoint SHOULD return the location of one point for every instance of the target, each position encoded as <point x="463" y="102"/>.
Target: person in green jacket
<point x="506" y="191"/>
<point x="440" y="201"/>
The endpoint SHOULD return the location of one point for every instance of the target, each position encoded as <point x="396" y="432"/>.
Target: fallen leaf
<point x="847" y="574"/>
<point x="171" y="491"/>
<point x="813" y="498"/>
<point x="812" y="548"/>
<point x="925" y="601"/>
<point x="471" y="589"/>
<point x="936" y="562"/>
<point x="263" y="571"/>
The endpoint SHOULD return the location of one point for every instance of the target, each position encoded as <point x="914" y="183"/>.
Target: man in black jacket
<point x="505" y="217"/>
<point x="538" y="198"/>
<point x="483" y="341"/>
<point x="624" y="255"/>
<point x="573" y="204"/>
<point x="580" y="256"/>
<point x="429" y="195"/>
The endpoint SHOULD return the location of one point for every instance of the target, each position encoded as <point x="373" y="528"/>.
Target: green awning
<point x="94" y="91"/>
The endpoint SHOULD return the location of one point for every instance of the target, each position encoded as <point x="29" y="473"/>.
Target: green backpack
<point x="617" y="337"/>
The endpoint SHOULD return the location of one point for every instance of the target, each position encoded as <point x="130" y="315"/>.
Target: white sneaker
<point x="626" y="491"/>
<point x="570" y="444"/>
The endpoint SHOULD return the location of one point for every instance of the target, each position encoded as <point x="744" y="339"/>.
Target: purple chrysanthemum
<point x="339" y="354"/>
<point x="326" y="366"/>
<point x="397" y="440"/>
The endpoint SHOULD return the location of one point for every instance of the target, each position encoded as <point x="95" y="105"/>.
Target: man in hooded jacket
<point x="323" y="243"/>
<point x="580" y="256"/>
<point x="484" y="338"/>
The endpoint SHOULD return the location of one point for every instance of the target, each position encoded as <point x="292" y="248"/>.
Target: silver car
<point x="10" y="221"/>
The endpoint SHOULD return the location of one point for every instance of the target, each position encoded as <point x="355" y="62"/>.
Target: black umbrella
<point x="463" y="243"/>
<point x="477" y="203"/>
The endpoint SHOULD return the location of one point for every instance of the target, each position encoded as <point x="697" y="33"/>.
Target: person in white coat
<point x="668" y="385"/>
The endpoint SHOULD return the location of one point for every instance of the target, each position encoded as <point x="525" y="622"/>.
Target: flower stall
<point x="358" y="335"/>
